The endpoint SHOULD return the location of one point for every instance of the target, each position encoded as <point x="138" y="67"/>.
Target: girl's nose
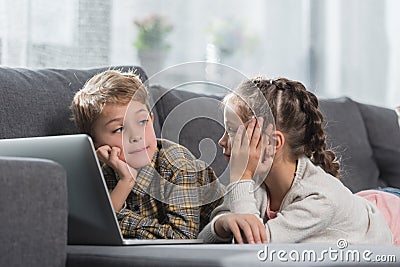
<point x="223" y="142"/>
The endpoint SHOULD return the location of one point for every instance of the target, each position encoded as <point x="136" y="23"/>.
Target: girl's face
<point x="231" y="122"/>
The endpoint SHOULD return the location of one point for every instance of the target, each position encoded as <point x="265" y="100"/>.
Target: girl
<point x="300" y="199"/>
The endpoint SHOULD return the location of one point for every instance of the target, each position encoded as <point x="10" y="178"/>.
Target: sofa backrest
<point x="36" y="102"/>
<point x="203" y="123"/>
<point x="384" y="138"/>
<point x="369" y="155"/>
<point x="366" y="138"/>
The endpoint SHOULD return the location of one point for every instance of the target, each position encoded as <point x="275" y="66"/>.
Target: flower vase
<point x="152" y="60"/>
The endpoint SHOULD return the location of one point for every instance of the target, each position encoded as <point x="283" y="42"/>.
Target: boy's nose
<point x="134" y="139"/>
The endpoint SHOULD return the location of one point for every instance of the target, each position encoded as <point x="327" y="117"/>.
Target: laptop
<point x="91" y="218"/>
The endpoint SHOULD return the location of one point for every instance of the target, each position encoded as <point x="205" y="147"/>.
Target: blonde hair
<point x="111" y="86"/>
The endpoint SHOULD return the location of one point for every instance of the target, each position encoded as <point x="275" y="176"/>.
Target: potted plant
<point x="151" y="42"/>
<point x="229" y="40"/>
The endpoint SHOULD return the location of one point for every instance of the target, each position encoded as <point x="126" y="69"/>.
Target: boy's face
<point x="133" y="134"/>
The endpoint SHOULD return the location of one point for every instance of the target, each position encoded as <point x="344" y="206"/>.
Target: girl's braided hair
<point x="296" y="114"/>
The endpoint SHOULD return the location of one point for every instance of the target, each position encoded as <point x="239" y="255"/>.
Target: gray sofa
<point x="33" y="197"/>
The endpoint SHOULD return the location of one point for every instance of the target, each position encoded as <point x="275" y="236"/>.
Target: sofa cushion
<point x="384" y="137"/>
<point x="36" y="102"/>
<point x="192" y="120"/>
<point x="347" y="135"/>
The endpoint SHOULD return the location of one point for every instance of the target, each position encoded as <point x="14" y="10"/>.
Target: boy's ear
<point x="96" y="145"/>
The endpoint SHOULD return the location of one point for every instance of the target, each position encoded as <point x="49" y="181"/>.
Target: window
<point x="335" y="47"/>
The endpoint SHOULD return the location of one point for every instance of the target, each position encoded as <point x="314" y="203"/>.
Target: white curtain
<point x="335" y="47"/>
<point x="358" y="50"/>
<point x="63" y="34"/>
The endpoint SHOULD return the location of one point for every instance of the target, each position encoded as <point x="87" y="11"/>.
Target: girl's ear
<point x="278" y="140"/>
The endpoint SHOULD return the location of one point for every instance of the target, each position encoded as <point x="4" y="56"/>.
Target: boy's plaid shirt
<point x="166" y="201"/>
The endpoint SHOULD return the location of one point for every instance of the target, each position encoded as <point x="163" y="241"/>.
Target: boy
<point x="155" y="185"/>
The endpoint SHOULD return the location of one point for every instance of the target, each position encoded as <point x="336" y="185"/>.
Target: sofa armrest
<point x="33" y="213"/>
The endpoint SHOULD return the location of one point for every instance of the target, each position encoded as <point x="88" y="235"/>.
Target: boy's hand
<point x="246" y="151"/>
<point x="236" y="224"/>
<point x="110" y="156"/>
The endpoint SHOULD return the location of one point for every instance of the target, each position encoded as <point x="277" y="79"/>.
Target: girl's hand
<point x="110" y="156"/>
<point x="246" y="151"/>
<point x="268" y="152"/>
<point x="236" y="224"/>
